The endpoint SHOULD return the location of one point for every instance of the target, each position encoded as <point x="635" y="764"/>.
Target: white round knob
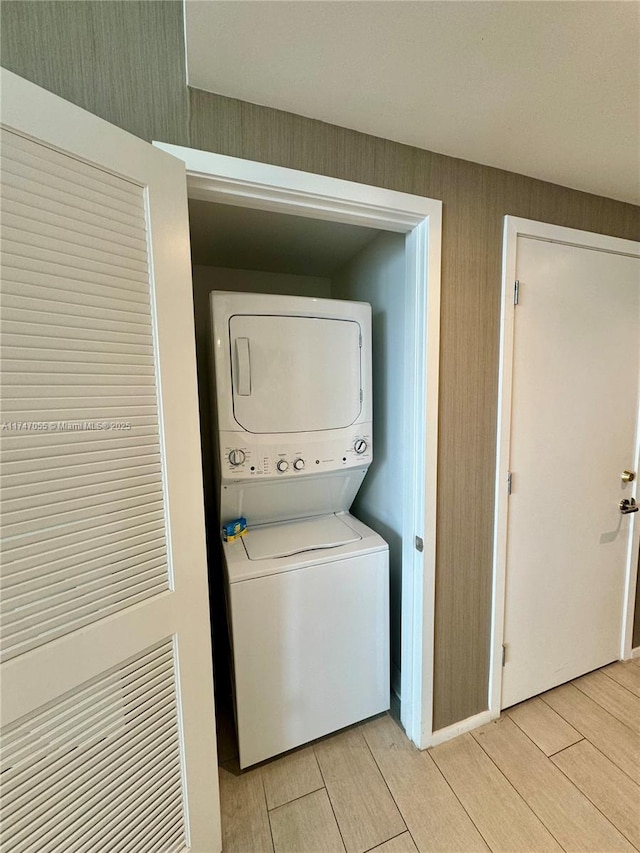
<point x="282" y="465"/>
<point x="360" y="446"/>
<point x="237" y="457"/>
<point x="298" y="464"/>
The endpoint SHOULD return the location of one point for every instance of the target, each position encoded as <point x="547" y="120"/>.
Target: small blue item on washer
<point x="233" y="529"/>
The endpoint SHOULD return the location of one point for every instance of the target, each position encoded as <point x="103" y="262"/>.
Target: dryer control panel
<point x="244" y="457"/>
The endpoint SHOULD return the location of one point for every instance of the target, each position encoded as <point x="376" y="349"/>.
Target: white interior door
<point x="107" y="697"/>
<point x="573" y="432"/>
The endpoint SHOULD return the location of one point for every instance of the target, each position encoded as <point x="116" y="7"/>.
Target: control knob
<point x="282" y="465"/>
<point x="298" y="464"/>
<point x="237" y="457"/>
<point x="360" y="445"/>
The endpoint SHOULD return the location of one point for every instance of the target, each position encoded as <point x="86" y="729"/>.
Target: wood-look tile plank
<point x="613" y="697"/>
<point x="570" y="817"/>
<point x="504" y="819"/>
<point x="245" y="822"/>
<point x="611" y="790"/>
<point x="432" y="812"/>
<point x="306" y="824"/>
<point x="291" y="777"/>
<point x="607" y="734"/>
<point x="400" y="844"/>
<point x="363" y="806"/>
<point x="626" y="674"/>
<point x="545" y="728"/>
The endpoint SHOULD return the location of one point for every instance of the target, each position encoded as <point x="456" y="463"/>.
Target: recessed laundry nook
<point x="319" y="473"/>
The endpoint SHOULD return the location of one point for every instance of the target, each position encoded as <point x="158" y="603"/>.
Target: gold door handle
<point x="627" y="476"/>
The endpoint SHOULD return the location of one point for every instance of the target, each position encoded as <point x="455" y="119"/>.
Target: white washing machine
<point x="307" y="586"/>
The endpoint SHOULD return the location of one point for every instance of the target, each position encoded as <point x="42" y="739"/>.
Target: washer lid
<point x="295" y="537"/>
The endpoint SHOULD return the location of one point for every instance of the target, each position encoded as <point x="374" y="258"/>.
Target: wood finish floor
<point x="558" y="772"/>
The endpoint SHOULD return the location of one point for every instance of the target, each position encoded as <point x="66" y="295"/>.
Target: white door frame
<point x="245" y="183"/>
<point x="514" y="228"/>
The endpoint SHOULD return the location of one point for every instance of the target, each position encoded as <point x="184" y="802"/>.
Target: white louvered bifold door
<point x="108" y="736"/>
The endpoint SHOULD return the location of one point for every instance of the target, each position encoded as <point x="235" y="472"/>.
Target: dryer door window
<point x="294" y="374"/>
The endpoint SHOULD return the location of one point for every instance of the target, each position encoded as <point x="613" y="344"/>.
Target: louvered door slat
<point x="81" y="615"/>
<point x="24" y="282"/>
<point x="147" y="681"/>
<point x="77" y="717"/>
<point x="48" y="212"/>
<point x="52" y="543"/>
<point x="42" y="166"/>
<point x="45" y="360"/>
<point x="87" y="388"/>
<point x="66" y="484"/>
<point x="65" y="581"/>
<point x="26" y="574"/>
<point x="102" y="763"/>
<point x="26" y="243"/>
<point x="64" y="766"/>
<point x="35" y="451"/>
<point x="43" y="159"/>
<point x="37" y="188"/>
<point x="95" y="469"/>
<point x="92" y="716"/>
<point x="76" y="288"/>
<point x="31" y="372"/>
<point x="17" y="525"/>
<point x="152" y="815"/>
<point x="66" y="830"/>
<point x="71" y="333"/>
<point x="57" y="229"/>
<point x="147" y="814"/>
<point x="80" y="586"/>
<point x="23" y="271"/>
<point x="21" y="514"/>
<point x="111" y="409"/>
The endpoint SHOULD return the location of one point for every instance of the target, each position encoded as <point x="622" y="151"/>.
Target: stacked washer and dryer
<point x="307" y="585"/>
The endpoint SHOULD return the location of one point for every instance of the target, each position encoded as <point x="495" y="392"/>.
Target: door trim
<point x="245" y="183"/>
<point x="515" y="227"/>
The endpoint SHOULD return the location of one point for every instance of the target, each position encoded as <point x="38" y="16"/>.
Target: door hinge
<point x="419" y="544"/>
<point x="504" y="654"/>
<point x="360" y="340"/>
<point x="361" y="396"/>
<point x="516" y="292"/>
<point x="509" y="482"/>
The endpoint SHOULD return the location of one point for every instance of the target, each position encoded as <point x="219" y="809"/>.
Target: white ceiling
<point x="549" y="88"/>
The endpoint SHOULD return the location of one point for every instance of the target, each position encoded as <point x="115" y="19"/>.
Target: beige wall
<point x="120" y="59"/>
<point x="476" y="198"/>
<point x="125" y="62"/>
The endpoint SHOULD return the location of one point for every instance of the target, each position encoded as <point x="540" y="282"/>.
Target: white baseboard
<point x="442" y="735"/>
<point x="449" y="732"/>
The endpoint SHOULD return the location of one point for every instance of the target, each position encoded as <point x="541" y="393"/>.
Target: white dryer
<point x="307" y="586"/>
<point x="293" y="401"/>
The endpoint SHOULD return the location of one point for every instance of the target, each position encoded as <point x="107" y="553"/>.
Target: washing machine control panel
<point x="246" y="456"/>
